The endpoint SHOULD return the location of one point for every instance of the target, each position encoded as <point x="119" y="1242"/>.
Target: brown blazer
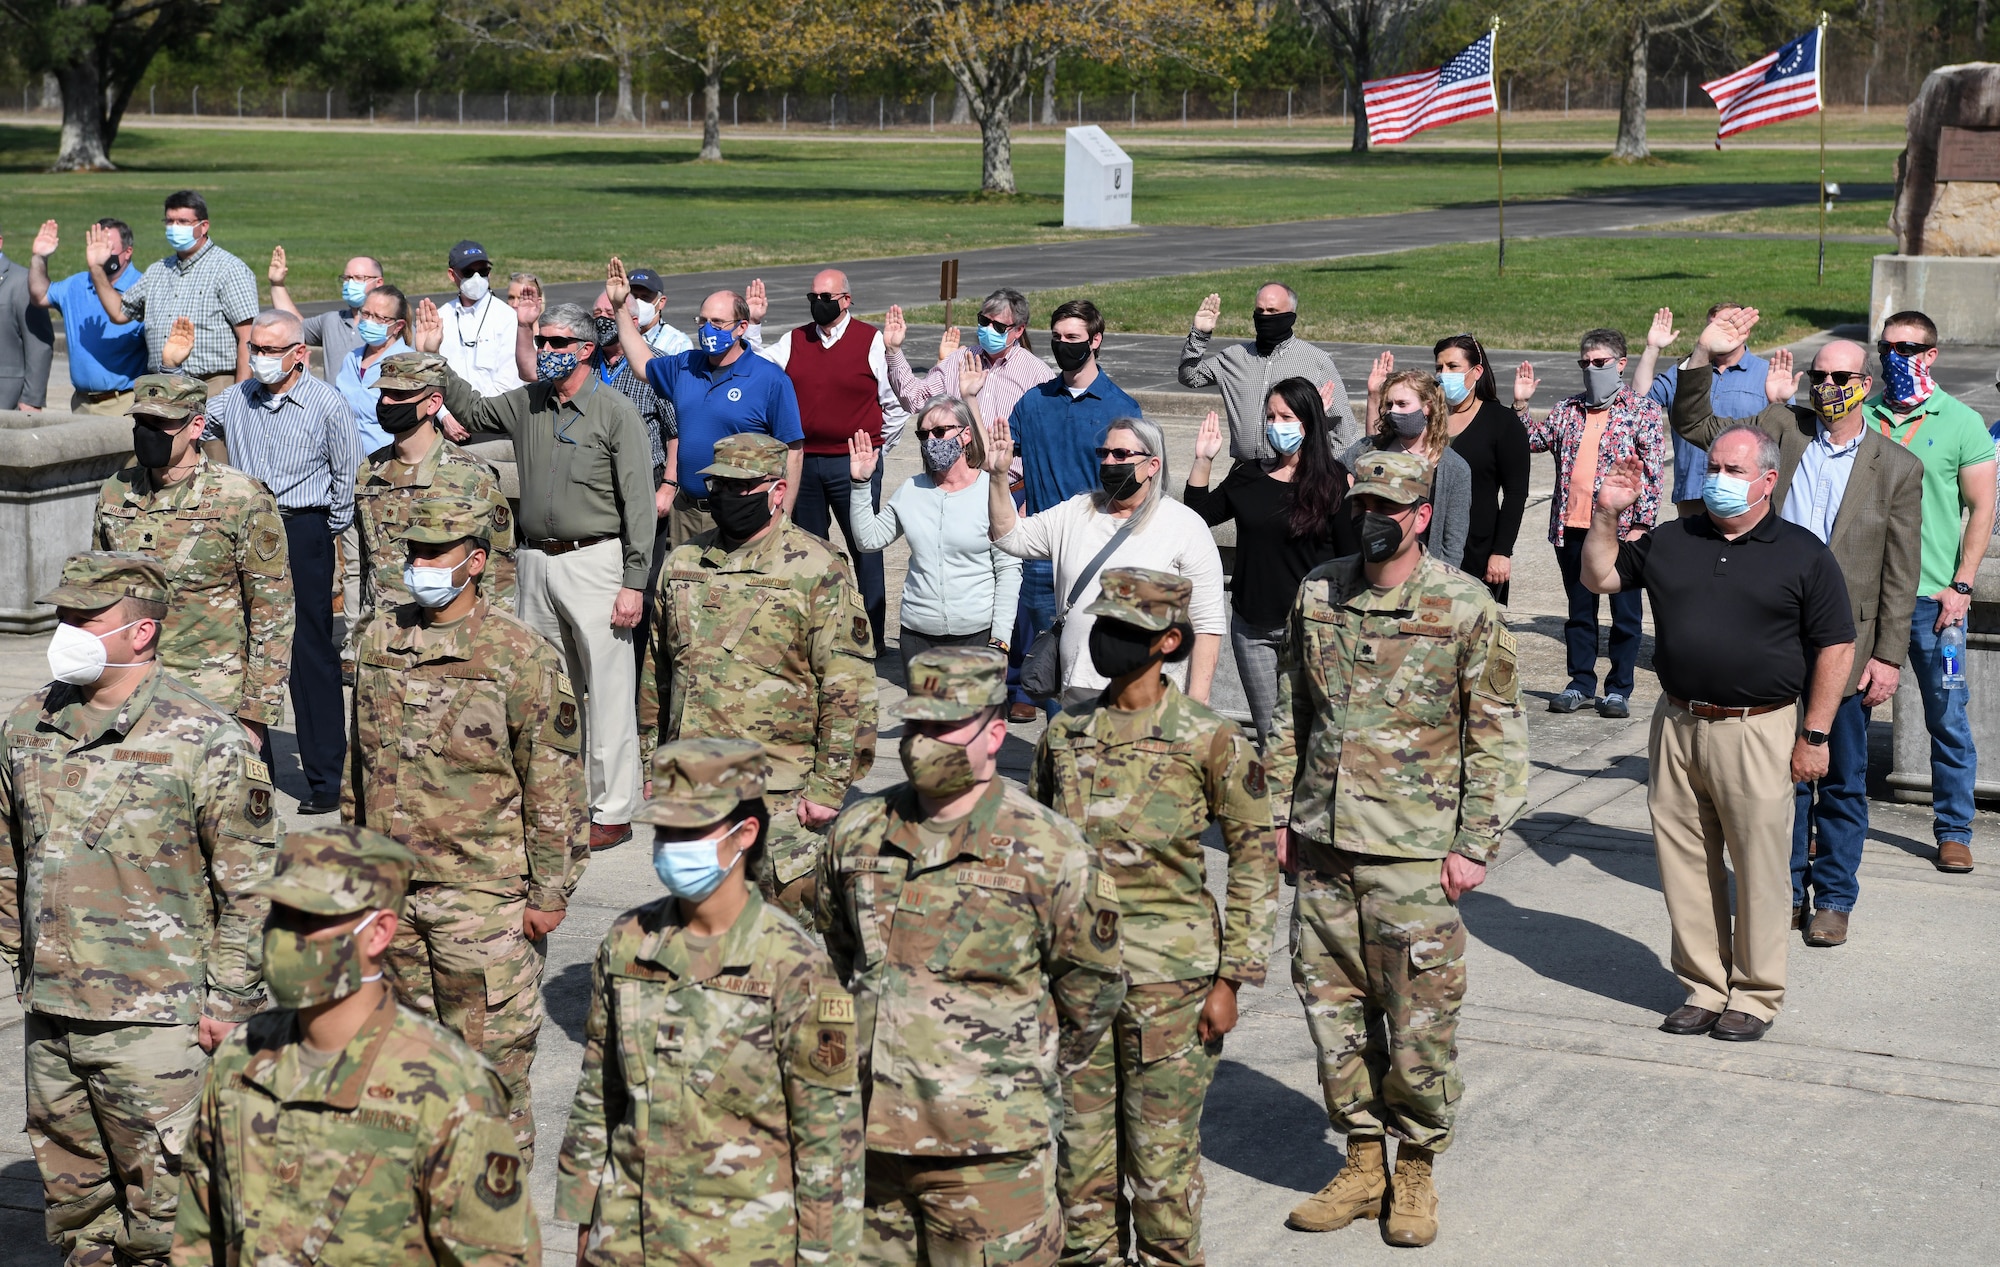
<point x="1876" y="536"/>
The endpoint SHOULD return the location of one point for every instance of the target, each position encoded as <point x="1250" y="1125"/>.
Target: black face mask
<point x="740" y="516"/>
<point x="1117" y="648"/>
<point x="1119" y="480"/>
<point x="1381" y="536"/>
<point x="825" y="311"/>
<point x="1273" y="328"/>
<point x="154" y="448"/>
<point x="396" y="418"/>
<point x="607" y="333"/>
<point x="1070" y="356"/>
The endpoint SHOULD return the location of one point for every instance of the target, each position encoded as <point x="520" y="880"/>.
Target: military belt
<point x="1718" y="712"/>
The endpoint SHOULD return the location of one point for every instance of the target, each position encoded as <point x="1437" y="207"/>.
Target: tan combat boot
<point x="1413" y="1211"/>
<point x="1360" y="1190"/>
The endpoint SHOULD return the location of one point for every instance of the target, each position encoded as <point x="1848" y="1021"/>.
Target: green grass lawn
<point x="1867" y="216"/>
<point x="1555" y="289"/>
<point x="559" y="205"/>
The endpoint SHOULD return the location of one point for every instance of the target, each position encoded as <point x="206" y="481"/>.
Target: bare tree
<point x="1049" y="93"/>
<point x="1643" y="23"/>
<point x="613" y="31"/>
<point x="1365" y="36"/>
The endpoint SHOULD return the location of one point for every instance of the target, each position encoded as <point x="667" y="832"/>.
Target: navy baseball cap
<point x="467" y="252"/>
<point x="646" y="279"/>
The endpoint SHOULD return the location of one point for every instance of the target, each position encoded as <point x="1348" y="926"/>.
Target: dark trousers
<point x="823" y="490"/>
<point x="316" y="700"/>
<point x="910" y="644"/>
<point x="1580" y="630"/>
<point x="1833" y="814"/>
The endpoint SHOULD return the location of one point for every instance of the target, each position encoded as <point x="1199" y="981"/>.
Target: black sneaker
<point x="1613" y="706"/>
<point x="1568" y="702"/>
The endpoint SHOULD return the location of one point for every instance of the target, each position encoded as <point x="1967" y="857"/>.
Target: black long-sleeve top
<point x="1495" y="446"/>
<point x="1270" y="561"/>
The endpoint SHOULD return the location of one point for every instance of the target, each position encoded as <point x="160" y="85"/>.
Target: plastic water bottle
<point x="1951" y="651"/>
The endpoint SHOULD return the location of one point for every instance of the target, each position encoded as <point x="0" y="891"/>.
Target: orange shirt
<point x="1583" y="471"/>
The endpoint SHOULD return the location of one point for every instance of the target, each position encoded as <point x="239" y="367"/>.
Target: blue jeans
<point x="1833" y="813"/>
<point x="823" y="487"/>
<point x="1580" y="630"/>
<point x="1953" y="761"/>
<point x="1039" y="610"/>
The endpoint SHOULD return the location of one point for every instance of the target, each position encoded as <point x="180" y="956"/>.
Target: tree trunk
<point x="84" y="146"/>
<point x="961" y="109"/>
<point x="1049" y="94"/>
<point x="996" y="151"/>
<point x="624" y="113"/>
<point x="1631" y="147"/>
<point x="711" y="106"/>
<point x="51" y="92"/>
<point x="1364" y="67"/>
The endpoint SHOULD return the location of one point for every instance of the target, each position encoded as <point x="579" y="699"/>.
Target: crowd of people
<point x="963" y="1019"/>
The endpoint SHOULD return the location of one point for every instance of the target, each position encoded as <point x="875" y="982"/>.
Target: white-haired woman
<point x="960" y="589"/>
<point x="1164" y="535"/>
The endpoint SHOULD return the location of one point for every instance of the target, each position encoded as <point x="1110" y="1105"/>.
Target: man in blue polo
<point x="104" y="358"/>
<point x="719" y="387"/>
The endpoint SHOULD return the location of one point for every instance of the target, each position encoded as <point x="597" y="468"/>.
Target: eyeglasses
<point x="277" y="350"/>
<point x="557" y="342"/>
<point x="1595" y="362"/>
<point x="995" y="323"/>
<point x="736" y="488"/>
<point x="186" y="224"/>
<point x="1839" y="378"/>
<point x="828" y="295"/>
<point x="938" y="433"/>
<point x="1121" y="455"/>
<point x="1902" y="347"/>
<point x="361" y="277"/>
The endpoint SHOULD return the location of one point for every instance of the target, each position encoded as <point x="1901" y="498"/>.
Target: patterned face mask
<point x="302" y="971"/>
<point x="553" y="366"/>
<point x="941" y="451"/>
<point x="938" y="769"/>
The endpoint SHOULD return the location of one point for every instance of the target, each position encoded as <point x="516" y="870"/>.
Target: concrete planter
<point x="1911" y="774"/>
<point x="1962" y="294"/>
<point x="51" y="467"/>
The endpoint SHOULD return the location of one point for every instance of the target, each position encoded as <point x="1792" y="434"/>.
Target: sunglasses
<point x="1595" y="362"/>
<point x="1121" y="455"/>
<point x="1839" y="378"/>
<point x="828" y="295"/>
<point x="996" y="323"/>
<point x="1902" y="347"/>
<point x="278" y="350"/>
<point x="938" y="433"/>
<point x="557" y="342"/>
<point x="484" y="270"/>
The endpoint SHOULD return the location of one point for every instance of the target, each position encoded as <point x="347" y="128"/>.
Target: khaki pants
<point x="1719" y="786"/>
<point x="567" y="598"/>
<point x="961" y="1211"/>
<point x="687" y="521"/>
<point x="115" y="405"/>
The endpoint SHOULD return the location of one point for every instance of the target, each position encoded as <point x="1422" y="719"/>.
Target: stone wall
<point x="51" y="467"/>
<point x="1954" y="211"/>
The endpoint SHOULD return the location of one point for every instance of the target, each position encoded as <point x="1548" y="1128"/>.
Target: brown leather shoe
<point x="1739" y="1027"/>
<point x="1829" y="928"/>
<point x="1689" y="1019"/>
<point x="1023" y="714"/>
<point x="1954" y="856"/>
<point x="1800" y="914"/>
<point x="609" y="835"/>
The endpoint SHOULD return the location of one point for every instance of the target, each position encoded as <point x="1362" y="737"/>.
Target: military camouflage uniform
<point x="1144" y="786"/>
<point x="387" y="492"/>
<point x="767" y="642"/>
<point x="716" y="1121"/>
<point x="1398" y="737"/>
<point x="126" y="915"/>
<point x="466" y="750"/>
<point x="228" y="631"/>
<point x="984" y="958"/>
<point x="395" y="1149"/>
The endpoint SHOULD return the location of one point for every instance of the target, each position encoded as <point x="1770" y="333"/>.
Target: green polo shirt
<point x="1947" y="436"/>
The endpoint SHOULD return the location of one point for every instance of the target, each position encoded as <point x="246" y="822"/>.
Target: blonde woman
<point x="1412" y="415"/>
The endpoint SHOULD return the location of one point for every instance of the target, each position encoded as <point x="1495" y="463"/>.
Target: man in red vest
<point x="840" y="370"/>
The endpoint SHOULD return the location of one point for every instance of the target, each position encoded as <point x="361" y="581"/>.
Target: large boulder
<point x="1951" y="208"/>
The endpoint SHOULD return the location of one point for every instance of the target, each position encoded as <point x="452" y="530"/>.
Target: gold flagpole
<point x="1819" y="86"/>
<point x="1499" y="149"/>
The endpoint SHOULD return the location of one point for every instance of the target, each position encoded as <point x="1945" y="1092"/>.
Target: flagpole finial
<point x="1496" y="21"/>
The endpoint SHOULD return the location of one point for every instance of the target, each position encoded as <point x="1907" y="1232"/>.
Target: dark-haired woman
<point x="1289" y="519"/>
<point x="1491" y="439"/>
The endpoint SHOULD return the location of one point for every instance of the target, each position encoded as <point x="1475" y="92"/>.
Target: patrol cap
<point x="1142" y="597"/>
<point x="955" y="684"/>
<point x="96" y="579"/>
<point x="748" y="455"/>
<point x="174" y="397"/>
<point x="339" y="870"/>
<point x="1393" y="475"/>
<point x="698" y="782"/>
<point x="412" y="372"/>
<point x="443" y="520"/>
<point x="646" y="279"/>
<point x="467" y="252"/>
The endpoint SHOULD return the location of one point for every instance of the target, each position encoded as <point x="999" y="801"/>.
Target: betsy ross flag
<point x="1401" y="106"/>
<point x="1777" y="86"/>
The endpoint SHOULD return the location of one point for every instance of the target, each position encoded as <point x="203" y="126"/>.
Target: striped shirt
<point x="302" y="444"/>
<point x="212" y="288"/>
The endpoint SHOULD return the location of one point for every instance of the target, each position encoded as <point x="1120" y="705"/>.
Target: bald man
<point x="1245" y="372"/>
<point x="839" y="367"/>
<point x="1862" y="494"/>
<point x="718" y="387"/>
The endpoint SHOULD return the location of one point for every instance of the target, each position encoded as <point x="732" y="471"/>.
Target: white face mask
<point x="472" y="287"/>
<point x="76" y="655"/>
<point x="268" y="369"/>
<point x="646" y="315"/>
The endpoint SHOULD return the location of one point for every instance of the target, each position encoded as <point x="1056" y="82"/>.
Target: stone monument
<point x="1947" y="216"/>
<point x="1097" y="181"/>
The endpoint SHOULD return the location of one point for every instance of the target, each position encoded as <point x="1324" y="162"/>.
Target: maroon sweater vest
<point x="836" y="389"/>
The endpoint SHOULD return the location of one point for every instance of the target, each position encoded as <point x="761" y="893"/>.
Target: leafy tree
<point x="620" y="32"/>
<point x="98" y="50"/>
<point x="715" y="37"/>
<point x="371" y="48"/>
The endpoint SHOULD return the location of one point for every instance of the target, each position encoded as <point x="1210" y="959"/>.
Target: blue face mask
<point x="1455" y="387"/>
<point x="180" y="236"/>
<point x="991" y="341"/>
<point x="353" y="293"/>
<point x="714" y="340"/>
<point x="372" y="332"/>
<point x="1285" y="437"/>
<point x="689" y="868"/>
<point x="431" y="587"/>
<point x="552" y="366"/>
<point x="1727" y="496"/>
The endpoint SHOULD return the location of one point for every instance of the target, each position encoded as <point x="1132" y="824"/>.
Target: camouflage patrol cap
<point x="955" y="684"/>
<point x="98" y="578"/>
<point x="175" y="397"/>
<point x="1394" y="476"/>
<point x="1143" y="598"/>
<point x="412" y="372"/>
<point x="748" y="455"/>
<point x="339" y="870"/>
<point x="697" y="782"/>
<point x="443" y="520"/>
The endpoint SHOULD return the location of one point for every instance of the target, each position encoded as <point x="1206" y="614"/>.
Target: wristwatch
<point x="1817" y="738"/>
<point x="1960" y="587"/>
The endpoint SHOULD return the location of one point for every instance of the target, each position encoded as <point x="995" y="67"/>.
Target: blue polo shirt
<point x="103" y="356"/>
<point x="1056" y="432"/>
<point x="1734" y="392"/>
<point x="713" y="401"/>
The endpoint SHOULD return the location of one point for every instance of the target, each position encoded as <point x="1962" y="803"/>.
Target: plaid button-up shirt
<point x="1634" y="429"/>
<point x="213" y="288"/>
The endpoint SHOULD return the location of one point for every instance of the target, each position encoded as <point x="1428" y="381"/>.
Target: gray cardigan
<point x="27" y="341"/>
<point x="1451" y="502"/>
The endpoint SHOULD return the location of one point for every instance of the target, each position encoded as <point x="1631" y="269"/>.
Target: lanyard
<point x="1883" y="423"/>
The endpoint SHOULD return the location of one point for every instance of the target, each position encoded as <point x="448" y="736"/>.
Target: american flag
<point x="1777" y="86"/>
<point x="1401" y="106"/>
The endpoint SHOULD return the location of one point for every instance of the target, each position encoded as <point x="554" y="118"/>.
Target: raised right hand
<point x="1208" y="314"/>
<point x="427" y="331"/>
<point x="1662" y="332"/>
<point x="279" y="269"/>
<point x="755" y="300"/>
<point x="99" y="245"/>
<point x="1780" y="382"/>
<point x="616" y="288"/>
<point x="1379" y="372"/>
<point x="1621" y="484"/>
<point x="1208" y="441"/>
<point x="1730" y="329"/>
<point x="971" y="375"/>
<point x="999" y="449"/>
<point x="47" y="240"/>
<point x="860" y="458"/>
<point x="947" y="344"/>
<point x="894" y="329"/>
<point x="1525" y="383"/>
<point x="179" y="345"/>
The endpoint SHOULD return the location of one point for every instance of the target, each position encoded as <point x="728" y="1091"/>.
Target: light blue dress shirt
<point x="1813" y="501"/>
<point x="357" y="385"/>
<point x="1736" y="391"/>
